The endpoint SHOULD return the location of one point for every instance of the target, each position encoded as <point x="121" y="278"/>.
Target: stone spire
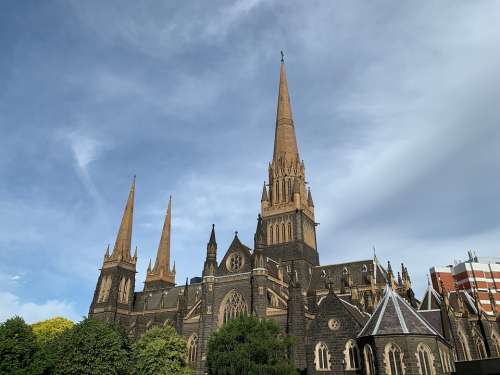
<point x="122" y="248"/>
<point x="210" y="265"/>
<point x="162" y="263"/>
<point x="285" y="142"/>
<point x="161" y="276"/>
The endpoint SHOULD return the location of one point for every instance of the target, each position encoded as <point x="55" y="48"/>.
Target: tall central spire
<point x="121" y="251"/>
<point x="163" y="256"/>
<point x="285" y="142"/>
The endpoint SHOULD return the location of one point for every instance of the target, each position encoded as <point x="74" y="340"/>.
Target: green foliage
<point x="47" y="330"/>
<point x="160" y="351"/>
<point x="249" y="346"/>
<point x="17" y="347"/>
<point x="90" y="347"/>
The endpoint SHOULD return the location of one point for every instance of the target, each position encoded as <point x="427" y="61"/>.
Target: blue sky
<point x="395" y="105"/>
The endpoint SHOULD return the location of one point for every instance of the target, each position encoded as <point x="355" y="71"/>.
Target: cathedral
<point x="358" y="317"/>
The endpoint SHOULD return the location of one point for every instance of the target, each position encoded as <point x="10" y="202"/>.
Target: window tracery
<point x="351" y="355"/>
<point x="193" y="348"/>
<point x="232" y="307"/>
<point x="393" y="359"/>
<point x="322" y="357"/>
<point x="425" y="360"/>
<point x="369" y="360"/>
<point x="464" y="343"/>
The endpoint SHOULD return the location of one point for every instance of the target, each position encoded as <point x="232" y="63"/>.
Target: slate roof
<point x="434" y="318"/>
<point x="469" y="304"/>
<point x="432" y="300"/>
<point x="335" y="271"/>
<point x="169" y="298"/>
<point x="394" y="316"/>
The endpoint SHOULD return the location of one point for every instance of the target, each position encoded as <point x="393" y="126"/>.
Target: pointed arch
<point x="322" y="356"/>
<point x="464" y="344"/>
<point x="283" y="233"/>
<point x="277" y="232"/>
<point x="233" y="305"/>
<point x="369" y="360"/>
<point x="290" y="234"/>
<point x="127" y="291"/>
<point x="121" y="290"/>
<point x="495" y="337"/>
<point x="425" y="360"/>
<point x="271" y="234"/>
<point x="351" y="355"/>
<point x="393" y="360"/>
<point x="192" y="345"/>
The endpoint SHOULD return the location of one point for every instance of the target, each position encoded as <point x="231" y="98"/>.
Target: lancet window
<point x="322" y="355"/>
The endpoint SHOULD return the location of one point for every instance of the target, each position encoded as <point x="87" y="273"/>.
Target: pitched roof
<point x="393" y="316"/>
<point x="431" y="301"/>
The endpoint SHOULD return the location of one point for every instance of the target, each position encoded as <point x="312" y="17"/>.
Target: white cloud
<point x="11" y="305"/>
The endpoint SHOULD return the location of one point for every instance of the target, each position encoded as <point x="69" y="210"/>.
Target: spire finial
<point x="121" y="250"/>
<point x="282" y="56"/>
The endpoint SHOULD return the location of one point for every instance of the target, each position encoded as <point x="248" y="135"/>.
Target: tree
<point x="47" y="334"/>
<point x="91" y="347"/>
<point x="249" y="346"/>
<point x="17" y="347"/>
<point x="49" y="329"/>
<point x="160" y="351"/>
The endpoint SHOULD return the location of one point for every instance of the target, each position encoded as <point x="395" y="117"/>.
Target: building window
<point x="277" y="230"/>
<point x="271" y="237"/>
<point x="425" y="360"/>
<point x="393" y="358"/>
<point x="283" y="237"/>
<point x="322" y="357"/>
<point x="289" y="231"/>
<point x="233" y="306"/>
<point x="105" y="288"/>
<point x="481" y="350"/>
<point x="234" y="262"/>
<point x="193" y="348"/>
<point x="351" y="355"/>
<point x="496" y="341"/>
<point x="445" y="360"/>
<point x="464" y="345"/>
<point x="369" y="360"/>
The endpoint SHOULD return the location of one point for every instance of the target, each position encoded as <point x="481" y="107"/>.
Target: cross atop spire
<point x="285" y="142"/>
<point x="121" y="250"/>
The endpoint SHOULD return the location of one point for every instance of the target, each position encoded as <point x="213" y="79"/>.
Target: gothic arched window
<point x="369" y="360"/>
<point x="351" y="355"/>
<point x="393" y="360"/>
<point x="464" y="344"/>
<point x="271" y="236"/>
<point x="322" y="357"/>
<point x="283" y="236"/>
<point x="495" y="337"/>
<point x="289" y="231"/>
<point x="481" y="350"/>
<point x="126" y="291"/>
<point x="232" y="306"/>
<point x="193" y="348"/>
<point x="425" y="360"/>
<point x="277" y="230"/>
<point x="105" y="288"/>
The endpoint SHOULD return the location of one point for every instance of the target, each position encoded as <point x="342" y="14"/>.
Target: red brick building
<point x="478" y="276"/>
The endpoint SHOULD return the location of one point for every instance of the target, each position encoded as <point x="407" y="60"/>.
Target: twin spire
<point x="123" y="243"/>
<point x="161" y="271"/>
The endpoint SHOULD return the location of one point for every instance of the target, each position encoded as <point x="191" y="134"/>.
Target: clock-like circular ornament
<point x="333" y="324"/>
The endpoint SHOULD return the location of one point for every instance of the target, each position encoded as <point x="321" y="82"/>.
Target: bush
<point x="17" y="347"/>
<point x="249" y="346"/>
<point x="91" y="347"/>
<point x="160" y="351"/>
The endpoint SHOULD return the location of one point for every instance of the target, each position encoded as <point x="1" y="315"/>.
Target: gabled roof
<point x="394" y="316"/>
<point x="469" y="303"/>
<point x="326" y="307"/>
<point x="431" y="301"/>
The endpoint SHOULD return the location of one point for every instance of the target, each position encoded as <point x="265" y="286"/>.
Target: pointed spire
<point x="121" y="251"/>
<point x="107" y="252"/>
<point x="149" y="267"/>
<point x="135" y="253"/>
<point x="309" y="198"/>
<point x="163" y="256"/>
<point x="265" y="197"/>
<point x="285" y="142"/>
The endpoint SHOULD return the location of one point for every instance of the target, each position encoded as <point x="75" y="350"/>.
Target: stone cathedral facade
<point x="356" y="317"/>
